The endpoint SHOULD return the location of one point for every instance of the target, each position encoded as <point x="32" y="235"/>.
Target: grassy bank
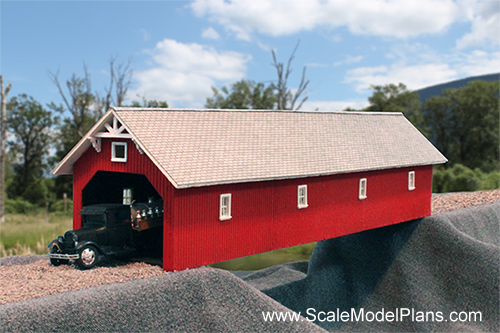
<point x="267" y="259"/>
<point x="30" y="233"/>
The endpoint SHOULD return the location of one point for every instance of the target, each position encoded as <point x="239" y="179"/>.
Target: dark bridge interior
<point x="107" y="187"/>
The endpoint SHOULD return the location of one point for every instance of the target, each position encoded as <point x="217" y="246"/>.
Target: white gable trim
<point x="65" y="167"/>
<point x="114" y="132"/>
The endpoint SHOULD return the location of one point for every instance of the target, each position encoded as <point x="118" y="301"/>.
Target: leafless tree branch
<point x="286" y="100"/>
<point x="80" y="97"/>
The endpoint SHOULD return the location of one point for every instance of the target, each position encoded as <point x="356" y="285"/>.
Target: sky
<point x="180" y="49"/>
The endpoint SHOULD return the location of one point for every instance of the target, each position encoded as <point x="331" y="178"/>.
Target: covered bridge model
<point x="240" y="182"/>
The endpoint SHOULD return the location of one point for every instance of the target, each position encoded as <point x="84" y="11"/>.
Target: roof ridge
<point x="244" y="147"/>
<point x="389" y="113"/>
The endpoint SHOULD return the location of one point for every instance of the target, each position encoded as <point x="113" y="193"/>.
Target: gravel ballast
<point x="39" y="278"/>
<point x="454" y="201"/>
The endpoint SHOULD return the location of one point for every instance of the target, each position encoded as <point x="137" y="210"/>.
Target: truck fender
<point x="94" y="244"/>
<point x="54" y="242"/>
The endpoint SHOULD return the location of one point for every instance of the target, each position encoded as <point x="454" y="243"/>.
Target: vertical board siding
<point x="203" y="239"/>
<point x="265" y="214"/>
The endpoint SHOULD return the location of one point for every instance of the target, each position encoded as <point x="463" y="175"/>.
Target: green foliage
<point x="243" y="94"/>
<point x="460" y="178"/>
<point x="464" y="124"/>
<point x="58" y="206"/>
<point x="491" y="180"/>
<point x="19" y="206"/>
<point x="396" y="98"/>
<point x="153" y="103"/>
<point x="30" y="125"/>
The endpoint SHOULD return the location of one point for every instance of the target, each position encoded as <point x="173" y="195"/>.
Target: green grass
<point x="30" y="234"/>
<point x="267" y="259"/>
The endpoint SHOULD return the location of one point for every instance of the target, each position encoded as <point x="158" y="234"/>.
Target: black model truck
<point x="110" y="230"/>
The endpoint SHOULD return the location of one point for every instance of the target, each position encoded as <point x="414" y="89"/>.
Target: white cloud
<point x="419" y="67"/>
<point x="334" y="105"/>
<point x="413" y="76"/>
<point x="183" y="74"/>
<point x="477" y="62"/>
<point x="348" y="60"/>
<point x="485" y="18"/>
<point x="401" y="19"/>
<point x="210" y="33"/>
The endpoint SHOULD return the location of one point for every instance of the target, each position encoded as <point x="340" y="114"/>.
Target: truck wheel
<point x="88" y="257"/>
<point x="57" y="262"/>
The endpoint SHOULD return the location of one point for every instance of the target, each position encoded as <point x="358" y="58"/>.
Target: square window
<point x="302" y="196"/>
<point x="119" y="152"/>
<point x="362" y="189"/>
<point x="225" y="207"/>
<point x="411" y="180"/>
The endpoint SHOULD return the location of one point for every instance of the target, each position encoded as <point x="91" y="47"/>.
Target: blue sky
<point x="179" y="49"/>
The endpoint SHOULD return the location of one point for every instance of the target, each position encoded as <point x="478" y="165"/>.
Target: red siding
<point x="264" y="214"/>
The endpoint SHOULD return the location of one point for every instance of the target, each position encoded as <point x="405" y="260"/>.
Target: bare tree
<point x="3" y="137"/>
<point x="285" y="96"/>
<point x="119" y="83"/>
<point x="79" y="99"/>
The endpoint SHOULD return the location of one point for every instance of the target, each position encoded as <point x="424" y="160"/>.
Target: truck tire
<point x="57" y="262"/>
<point x="88" y="257"/>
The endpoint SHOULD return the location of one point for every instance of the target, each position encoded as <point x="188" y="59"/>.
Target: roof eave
<point x="264" y="179"/>
<point x="65" y="167"/>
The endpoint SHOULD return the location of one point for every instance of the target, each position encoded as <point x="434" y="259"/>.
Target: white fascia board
<point x="113" y="136"/>
<point x="65" y="167"/>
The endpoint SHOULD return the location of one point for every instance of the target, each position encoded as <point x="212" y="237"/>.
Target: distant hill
<point x="426" y="93"/>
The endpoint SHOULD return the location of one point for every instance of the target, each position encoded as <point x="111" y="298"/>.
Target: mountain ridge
<point x="437" y="90"/>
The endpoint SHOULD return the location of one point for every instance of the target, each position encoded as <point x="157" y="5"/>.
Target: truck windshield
<point x="93" y="220"/>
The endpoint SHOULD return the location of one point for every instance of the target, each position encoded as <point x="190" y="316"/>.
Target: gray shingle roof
<point x="206" y="147"/>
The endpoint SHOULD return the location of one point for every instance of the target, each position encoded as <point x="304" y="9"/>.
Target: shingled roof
<point x="208" y="147"/>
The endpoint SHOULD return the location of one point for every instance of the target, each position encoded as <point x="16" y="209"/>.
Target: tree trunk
<point x="3" y="137"/>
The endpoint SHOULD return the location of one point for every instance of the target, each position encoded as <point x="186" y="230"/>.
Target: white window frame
<point x="225" y="207"/>
<point x="302" y="196"/>
<point x="362" y="188"/>
<point x="113" y="152"/>
<point x="127" y="196"/>
<point x="411" y="180"/>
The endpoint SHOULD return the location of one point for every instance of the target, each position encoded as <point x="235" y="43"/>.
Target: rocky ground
<point x="453" y="201"/>
<point x="27" y="277"/>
